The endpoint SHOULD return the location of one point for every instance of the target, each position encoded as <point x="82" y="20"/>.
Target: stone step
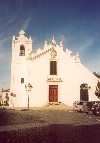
<point x="56" y="104"/>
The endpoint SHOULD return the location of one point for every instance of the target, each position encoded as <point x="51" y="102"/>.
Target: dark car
<point x="77" y="105"/>
<point x="87" y="106"/>
<point x="93" y="109"/>
<point x="95" y="102"/>
<point x="96" y="109"/>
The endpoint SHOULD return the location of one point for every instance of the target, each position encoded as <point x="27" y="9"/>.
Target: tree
<point x="97" y="91"/>
<point x="96" y="74"/>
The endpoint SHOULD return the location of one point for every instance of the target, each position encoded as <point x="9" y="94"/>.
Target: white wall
<point x="37" y="71"/>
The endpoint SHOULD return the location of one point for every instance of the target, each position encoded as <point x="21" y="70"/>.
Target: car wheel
<point x="87" y="112"/>
<point x="95" y="114"/>
<point x="90" y="112"/>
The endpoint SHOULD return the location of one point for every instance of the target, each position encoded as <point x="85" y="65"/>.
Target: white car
<point x="77" y="105"/>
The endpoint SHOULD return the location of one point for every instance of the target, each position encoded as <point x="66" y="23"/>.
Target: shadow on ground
<point x="8" y="117"/>
<point x="55" y="133"/>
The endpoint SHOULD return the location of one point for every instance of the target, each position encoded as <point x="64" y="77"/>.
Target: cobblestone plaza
<point x="48" y="125"/>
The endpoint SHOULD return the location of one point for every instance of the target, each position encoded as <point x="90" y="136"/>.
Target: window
<point x="22" y="50"/>
<point x="22" y="80"/>
<point x="53" y="68"/>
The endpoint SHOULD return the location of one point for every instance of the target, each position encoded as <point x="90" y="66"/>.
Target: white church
<point x="51" y="75"/>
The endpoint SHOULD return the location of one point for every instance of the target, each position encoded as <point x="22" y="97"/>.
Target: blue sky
<point x="75" y="22"/>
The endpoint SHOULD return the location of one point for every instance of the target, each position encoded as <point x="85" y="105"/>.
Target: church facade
<point x="49" y="75"/>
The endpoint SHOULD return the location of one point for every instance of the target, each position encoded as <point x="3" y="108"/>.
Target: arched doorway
<point x="84" y="92"/>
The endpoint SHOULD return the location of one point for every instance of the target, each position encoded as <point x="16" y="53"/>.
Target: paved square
<point x="48" y="125"/>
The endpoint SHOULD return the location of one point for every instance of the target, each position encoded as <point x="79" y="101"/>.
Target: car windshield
<point x="89" y="104"/>
<point x="80" y="103"/>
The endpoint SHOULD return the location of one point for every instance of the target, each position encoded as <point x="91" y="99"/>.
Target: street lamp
<point x="28" y="88"/>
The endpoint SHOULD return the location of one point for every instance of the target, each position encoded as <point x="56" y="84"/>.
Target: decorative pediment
<point x="53" y="53"/>
<point x="77" y="59"/>
<point x="22" y="37"/>
<point x="54" y="79"/>
<point x="21" y="32"/>
<point x="53" y="42"/>
<point x="68" y="52"/>
<point x="39" y="53"/>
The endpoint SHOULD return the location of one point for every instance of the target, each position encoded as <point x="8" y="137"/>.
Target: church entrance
<point x="53" y="93"/>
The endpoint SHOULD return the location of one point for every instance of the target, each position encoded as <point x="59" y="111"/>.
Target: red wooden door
<point x="53" y="93"/>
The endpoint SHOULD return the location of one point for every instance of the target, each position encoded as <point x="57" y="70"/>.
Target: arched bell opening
<point x="22" y="50"/>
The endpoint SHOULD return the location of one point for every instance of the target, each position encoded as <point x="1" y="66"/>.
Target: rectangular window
<point x="53" y="68"/>
<point x="22" y="80"/>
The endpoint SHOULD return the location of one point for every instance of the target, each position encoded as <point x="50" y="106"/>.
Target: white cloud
<point x="88" y="43"/>
<point x="11" y="20"/>
<point x="26" y="23"/>
<point x="82" y="47"/>
<point x="4" y="81"/>
<point x="3" y="41"/>
<point x="37" y="44"/>
<point x="62" y="37"/>
<point x="93" y="65"/>
<point x="5" y="60"/>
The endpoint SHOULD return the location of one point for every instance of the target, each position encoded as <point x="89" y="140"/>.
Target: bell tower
<point x="21" y="45"/>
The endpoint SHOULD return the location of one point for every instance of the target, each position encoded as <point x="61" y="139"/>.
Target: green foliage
<point x="97" y="91"/>
<point x="96" y="74"/>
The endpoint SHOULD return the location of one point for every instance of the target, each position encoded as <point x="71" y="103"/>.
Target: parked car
<point x="96" y="109"/>
<point x="93" y="109"/>
<point x="87" y="106"/>
<point x="95" y="102"/>
<point x="77" y="105"/>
